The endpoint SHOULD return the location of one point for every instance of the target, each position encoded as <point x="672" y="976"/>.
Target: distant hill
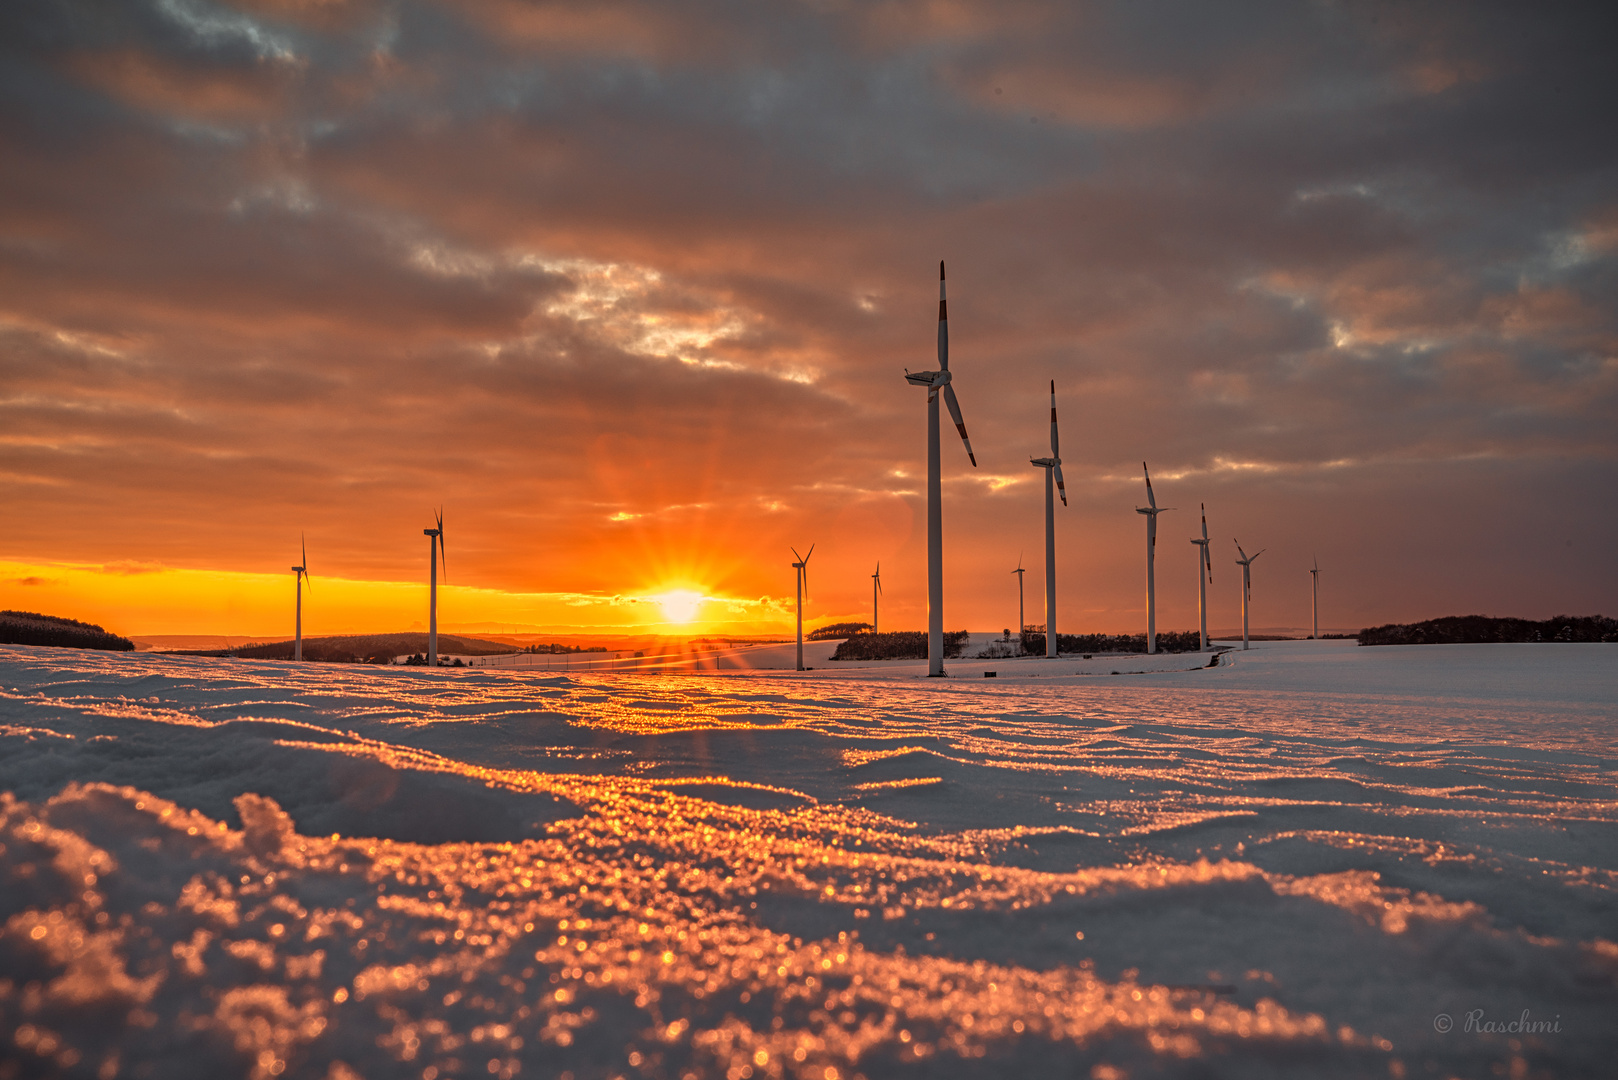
<point x="1483" y="629"/>
<point x="31" y="628"/>
<point x="363" y="648"/>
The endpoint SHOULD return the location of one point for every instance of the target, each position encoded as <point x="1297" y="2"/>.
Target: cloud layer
<point x="629" y="289"/>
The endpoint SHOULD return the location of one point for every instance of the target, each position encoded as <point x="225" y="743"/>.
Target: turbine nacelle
<point x="930" y="379"/>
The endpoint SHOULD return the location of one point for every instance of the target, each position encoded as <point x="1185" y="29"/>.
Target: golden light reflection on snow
<point x="487" y="959"/>
<point x="763" y="878"/>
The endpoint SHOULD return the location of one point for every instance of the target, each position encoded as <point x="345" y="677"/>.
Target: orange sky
<point x="631" y="297"/>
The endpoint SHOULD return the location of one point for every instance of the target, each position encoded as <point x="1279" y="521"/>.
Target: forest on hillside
<point x="32" y="628"/>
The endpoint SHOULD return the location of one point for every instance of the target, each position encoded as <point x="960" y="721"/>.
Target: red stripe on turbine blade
<point x="943" y="310"/>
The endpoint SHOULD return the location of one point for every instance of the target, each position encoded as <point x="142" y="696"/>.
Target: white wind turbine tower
<point x="1022" y="620"/>
<point x="1246" y="563"/>
<point x="1151" y="510"/>
<point x="802" y="567"/>
<point x="1204" y="563"/>
<point x="1314" y="599"/>
<point x="435" y="545"/>
<point x="936" y="381"/>
<point x="876" y="598"/>
<point x="301" y="573"/>
<point x="1053" y="468"/>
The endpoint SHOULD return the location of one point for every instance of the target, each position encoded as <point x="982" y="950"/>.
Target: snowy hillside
<point x="1311" y="860"/>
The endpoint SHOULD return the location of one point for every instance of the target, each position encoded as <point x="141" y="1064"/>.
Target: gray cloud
<point x="273" y="262"/>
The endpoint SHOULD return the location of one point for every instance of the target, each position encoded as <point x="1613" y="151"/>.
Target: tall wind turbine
<point x="1151" y="511"/>
<point x="802" y="567"/>
<point x="1022" y="620"/>
<point x="936" y="381"/>
<point x="1246" y="563"/>
<point x="435" y="546"/>
<point x="1314" y="599"/>
<point x="301" y="572"/>
<point x="876" y="598"/>
<point x="1204" y="563"/>
<point x="1053" y="468"/>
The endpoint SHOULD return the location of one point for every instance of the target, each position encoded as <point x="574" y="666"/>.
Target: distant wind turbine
<point x="802" y="567"/>
<point x="1204" y="563"/>
<point x="1053" y="468"/>
<point x="300" y="573"/>
<point x="1246" y="563"/>
<point x="936" y="381"/>
<point x="1151" y="510"/>
<point x="1022" y="620"/>
<point x="1314" y="599"/>
<point x="435" y="546"/>
<point x="876" y="599"/>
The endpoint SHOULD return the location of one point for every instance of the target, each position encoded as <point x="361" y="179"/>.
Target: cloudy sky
<point x="629" y="289"/>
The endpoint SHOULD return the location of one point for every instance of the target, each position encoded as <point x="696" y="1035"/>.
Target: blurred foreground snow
<point x="1292" y="865"/>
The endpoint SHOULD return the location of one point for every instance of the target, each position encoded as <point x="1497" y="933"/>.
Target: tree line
<point x="1485" y="629"/>
<point x="31" y="628"/>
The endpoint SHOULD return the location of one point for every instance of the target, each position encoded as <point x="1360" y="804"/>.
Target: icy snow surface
<point x="1296" y="863"/>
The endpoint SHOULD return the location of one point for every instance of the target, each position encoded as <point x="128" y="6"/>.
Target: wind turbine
<point x="1053" y="467"/>
<point x="1151" y="511"/>
<point x="1021" y="619"/>
<point x="435" y="546"/>
<point x="936" y="381"/>
<point x="301" y="573"/>
<point x="802" y="567"/>
<point x="1314" y="598"/>
<point x="876" y="593"/>
<point x="1246" y="563"/>
<point x="1204" y="562"/>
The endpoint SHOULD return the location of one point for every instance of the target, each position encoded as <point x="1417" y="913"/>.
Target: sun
<point x="680" y="605"/>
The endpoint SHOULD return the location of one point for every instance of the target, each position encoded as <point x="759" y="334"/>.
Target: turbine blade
<point x="960" y="425"/>
<point x="1061" y="488"/>
<point x="443" y="554"/>
<point x="1151" y="500"/>
<point x="943" y="322"/>
<point x="1055" y="446"/>
<point x="807" y="557"/>
<point x="303" y="543"/>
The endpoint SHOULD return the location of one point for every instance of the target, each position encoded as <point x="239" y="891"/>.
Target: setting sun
<point x="680" y="605"/>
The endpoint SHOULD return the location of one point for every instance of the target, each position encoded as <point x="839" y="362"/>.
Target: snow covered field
<point x="1311" y="860"/>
